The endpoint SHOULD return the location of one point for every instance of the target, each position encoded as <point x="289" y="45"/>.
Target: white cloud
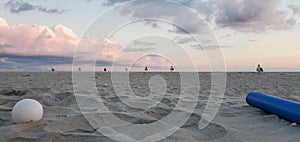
<point x="3" y="22"/>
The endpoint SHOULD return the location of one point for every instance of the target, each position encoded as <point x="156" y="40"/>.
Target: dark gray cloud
<point x="50" y="10"/>
<point x="155" y="25"/>
<point x="251" y="15"/>
<point x="152" y="22"/>
<point x="18" y="6"/>
<point x="154" y="55"/>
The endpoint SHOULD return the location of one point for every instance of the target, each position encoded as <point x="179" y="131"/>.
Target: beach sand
<point x="235" y="121"/>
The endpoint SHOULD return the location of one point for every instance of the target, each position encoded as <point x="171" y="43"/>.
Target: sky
<point x="191" y="35"/>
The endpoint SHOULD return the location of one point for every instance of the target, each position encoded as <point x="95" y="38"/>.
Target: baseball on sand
<point x="27" y="110"/>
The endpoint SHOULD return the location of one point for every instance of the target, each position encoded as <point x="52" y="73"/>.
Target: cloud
<point x="98" y="62"/>
<point x="210" y="47"/>
<point x="152" y="22"/>
<point x="240" y="15"/>
<point x="37" y="59"/>
<point x="145" y="43"/>
<point x="225" y="36"/>
<point x="113" y="2"/>
<point x="45" y="63"/>
<point x="184" y="25"/>
<point x="140" y="9"/>
<point x="169" y="11"/>
<point x="153" y="62"/>
<point x="59" y="40"/>
<point x="132" y="49"/>
<point x="251" y="15"/>
<point x="139" y="46"/>
<point x="3" y="59"/>
<point x="50" y="10"/>
<point x="37" y="40"/>
<point x="39" y="47"/>
<point x="205" y="8"/>
<point x="5" y="45"/>
<point x="294" y="8"/>
<point x="18" y="6"/>
<point x="184" y="40"/>
<point x="104" y="63"/>
<point x="155" y="25"/>
<point x="32" y="63"/>
<point x="26" y="44"/>
<point x="3" y="22"/>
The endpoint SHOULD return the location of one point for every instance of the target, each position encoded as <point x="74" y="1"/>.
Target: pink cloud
<point x="40" y="40"/>
<point x="37" y="39"/>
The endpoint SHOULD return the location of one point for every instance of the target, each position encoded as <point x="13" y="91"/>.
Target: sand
<point x="63" y="121"/>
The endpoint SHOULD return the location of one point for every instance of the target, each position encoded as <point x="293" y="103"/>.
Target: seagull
<point x="259" y="69"/>
<point x="171" y="68"/>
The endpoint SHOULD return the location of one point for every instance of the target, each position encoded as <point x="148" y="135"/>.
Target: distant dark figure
<point x="259" y="69"/>
<point x="146" y="68"/>
<point x="52" y="70"/>
<point x="79" y="69"/>
<point x="126" y="69"/>
<point x="171" y="68"/>
<point x="104" y="69"/>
